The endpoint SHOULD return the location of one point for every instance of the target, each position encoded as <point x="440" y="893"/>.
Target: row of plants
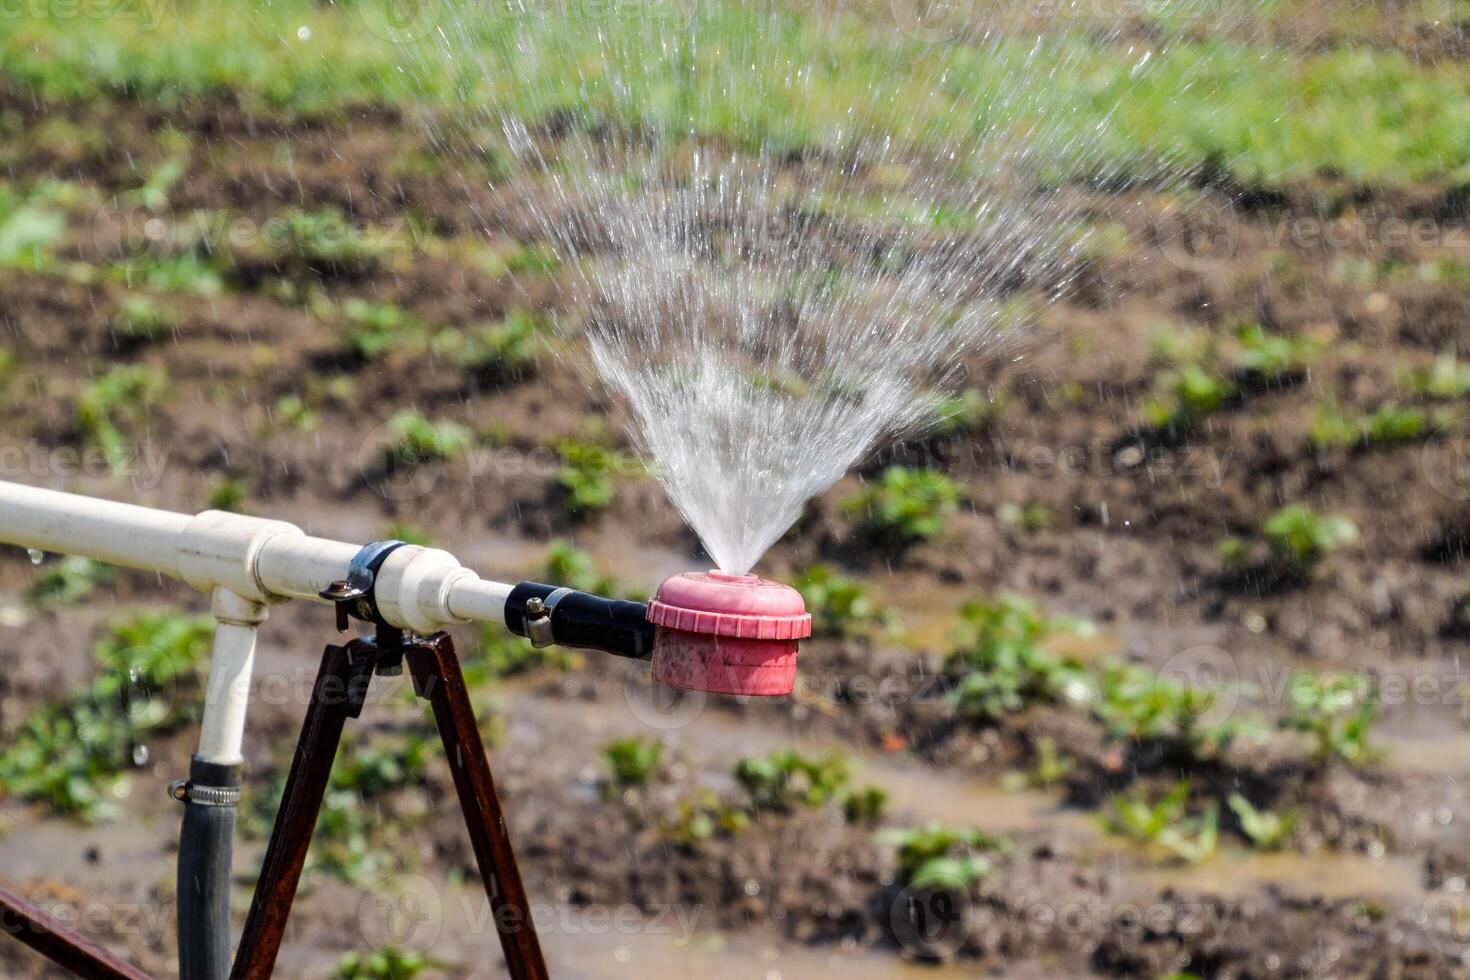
<point x="1005" y="661"/>
<point x="75" y="754"/>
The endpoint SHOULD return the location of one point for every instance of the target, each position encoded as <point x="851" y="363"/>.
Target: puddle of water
<point x="1439" y="752"/>
<point x="1329" y="874"/>
<point x="720" y="957"/>
<point x="62" y="850"/>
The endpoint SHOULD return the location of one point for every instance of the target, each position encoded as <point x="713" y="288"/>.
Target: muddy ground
<point x="1369" y="883"/>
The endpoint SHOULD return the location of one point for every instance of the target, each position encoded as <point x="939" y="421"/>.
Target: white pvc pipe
<point x="118" y="534"/>
<point x="255" y="558"/>
<point x="227" y="696"/>
<point x="245" y="563"/>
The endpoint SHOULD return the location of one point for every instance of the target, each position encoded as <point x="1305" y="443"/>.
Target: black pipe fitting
<point x="210" y="796"/>
<point x="553" y="614"/>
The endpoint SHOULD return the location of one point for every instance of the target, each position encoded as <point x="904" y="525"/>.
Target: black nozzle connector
<point x="566" y="617"/>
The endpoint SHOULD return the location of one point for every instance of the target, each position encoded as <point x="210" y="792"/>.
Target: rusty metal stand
<point x="62" y="946"/>
<point x="339" y="693"/>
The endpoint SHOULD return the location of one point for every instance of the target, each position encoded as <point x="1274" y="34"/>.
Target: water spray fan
<point x="727" y="634"/>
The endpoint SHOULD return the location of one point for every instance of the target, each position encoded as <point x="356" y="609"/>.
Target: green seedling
<point x="785" y="779"/>
<point x="1265" y="358"/>
<point x="294" y="412"/>
<point x="1049" y="768"/>
<point x="1290" y="543"/>
<point x="327" y="244"/>
<point x="568" y="565"/>
<point x="905" y="505"/>
<point x="537" y="258"/>
<point x="141" y="319"/>
<point x="417" y="439"/>
<point x="503" y="350"/>
<point x="953" y="415"/>
<point x="408" y="534"/>
<point x="941" y="856"/>
<point x="388" y="963"/>
<point x="1002" y="662"/>
<point x="1137" y="703"/>
<point x="839" y="605"/>
<point x="586" y="475"/>
<point x="385" y="765"/>
<point x="1267" y="831"/>
<point x="631" y="763"/>
<point x="503" y="655"/>
<point x="185" y="272"/>
<point x="1386" y="426"/>
<point x="73" y="754"/>
<point x="702" y="817"/>
<point x="1338" y="712"/>
<point x="1394" y="425"/>
<point x="28" y="231"/>
<point x="1030" y="518"/>
<point x="1191" y="396"/>
<point x="1163" y="822"/>
<point x="1448" y="379"/>
<point x="1176" y="345"/>
<point x="67" y="582"/>
<point x="352" y="840"/>
<point x="866" y="805"/>
<point x="1297" y="538"/>
<point x="1331" y="428"/>
<point x="119" y="399"/>
<point x="228" y="493"/>
<point x="374" y="329"/>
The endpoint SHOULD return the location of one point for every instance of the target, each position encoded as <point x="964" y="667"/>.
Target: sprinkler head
<point x="727" y="634"/>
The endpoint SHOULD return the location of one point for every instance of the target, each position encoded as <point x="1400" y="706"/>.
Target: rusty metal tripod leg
<point x="437" y="677"/>
<point x="61" y="945"/>
<point x="339" y="693"/>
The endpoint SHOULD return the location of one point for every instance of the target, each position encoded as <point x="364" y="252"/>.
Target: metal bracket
<point x="353" y="595"/>
<point x="538" y="617"/>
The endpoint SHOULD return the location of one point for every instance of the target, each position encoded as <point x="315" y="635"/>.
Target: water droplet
<point x="303" y="33"/>
<point x="36" y="555"/>
<point x="140" y="755"/>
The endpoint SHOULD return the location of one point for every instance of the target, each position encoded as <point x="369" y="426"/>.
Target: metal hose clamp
<point x="187" y="792"/>
<point x="538" y="617"/>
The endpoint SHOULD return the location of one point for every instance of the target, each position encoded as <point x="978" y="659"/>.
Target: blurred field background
<point x="1147" y="657"/>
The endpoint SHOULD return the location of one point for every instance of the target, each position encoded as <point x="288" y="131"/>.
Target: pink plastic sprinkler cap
<point x="727" y="634"/>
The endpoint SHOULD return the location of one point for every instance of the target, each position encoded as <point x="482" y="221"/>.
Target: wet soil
<point x="1370" y="883"/>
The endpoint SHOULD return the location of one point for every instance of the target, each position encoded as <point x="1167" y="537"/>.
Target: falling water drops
<point x="773" y="306"/>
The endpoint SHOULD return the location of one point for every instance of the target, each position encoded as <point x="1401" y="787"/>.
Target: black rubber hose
<point x="205" y="850"/>
<point x="580" y="619"/>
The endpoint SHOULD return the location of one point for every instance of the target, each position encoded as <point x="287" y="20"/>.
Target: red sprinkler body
<point x="727" y="634"/>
